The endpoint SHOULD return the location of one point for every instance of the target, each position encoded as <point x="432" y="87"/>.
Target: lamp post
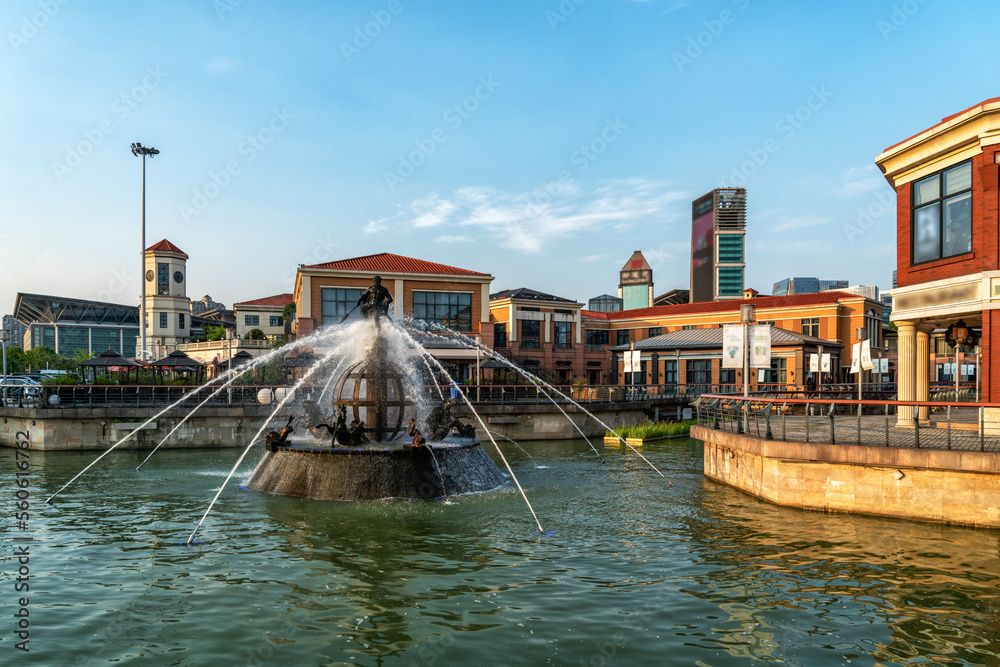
<point x="140" y="150"/>
<point x="746" y="318"/>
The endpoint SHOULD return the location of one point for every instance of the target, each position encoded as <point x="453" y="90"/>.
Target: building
<point x="605" y="303"/>
<point x="718" y="235"/>
<point x="870" y="291"/>
<point x="69" y="325"/>
<point x="13" y="331"/>
<point x="544" y="333"/>
<point x="436" y="297"/>
<point x="168" y="308"/>
<point x="823" y="318"/>
<point x="790" y="286"/>
<point x="205" y="304"/>
<point x="264" y="314"/>
<point x="947" y="265"/>
<point x="672" y="298"/>
<point x="635" y="286"/>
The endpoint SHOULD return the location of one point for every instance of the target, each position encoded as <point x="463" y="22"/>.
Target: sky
<point x="541" y="142"/>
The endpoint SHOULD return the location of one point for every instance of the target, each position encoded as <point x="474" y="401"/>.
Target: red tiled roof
<point x="166" y="246"/>
<point x="815" y="299"/>
<point x="278" y="300"/>
<point x="386" y="262"/>
<point x="593" y="314"/>
<point x="945" y="120"/>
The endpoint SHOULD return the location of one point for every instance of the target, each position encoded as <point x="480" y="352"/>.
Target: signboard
<point x="856" y="358"/>
<point x="814" y="363"/>
<point x="702" y="250"/>
<point x="760" y="350"/>
<point x="827" y="363"/>
<point x="884" y="365"/>
<point x="636" y="361"/>
<point x="732" y="346"/>
<point x="631" y="361"/>
<point x="866" y="355"/>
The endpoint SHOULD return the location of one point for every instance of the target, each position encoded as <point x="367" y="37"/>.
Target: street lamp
<point x="746" y="318"/>
<point x="137" y="150"/>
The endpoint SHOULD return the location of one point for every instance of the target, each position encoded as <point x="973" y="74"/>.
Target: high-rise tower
<point x="718" y="249"/>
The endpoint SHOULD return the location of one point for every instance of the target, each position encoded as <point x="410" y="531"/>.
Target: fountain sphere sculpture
<point x="378" y="393"/>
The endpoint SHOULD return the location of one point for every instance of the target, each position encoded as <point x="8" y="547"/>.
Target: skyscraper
<point x="718" y="233"/>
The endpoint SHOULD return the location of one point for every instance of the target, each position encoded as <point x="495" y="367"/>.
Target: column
<point x="906" y="379"/>
<point x="923" y="384"/>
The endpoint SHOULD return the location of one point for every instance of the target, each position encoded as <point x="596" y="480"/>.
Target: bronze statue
<point x="341" y="435"/>
<point x="375" y="300"/>
<point x="273" y="439"/>
<point x="440" y="422"/>
<point x="314" y="416"/>
<point x="357" y="430"/>
<point x="416" y="440"/>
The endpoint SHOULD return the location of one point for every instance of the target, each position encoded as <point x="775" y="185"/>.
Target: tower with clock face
<point x="168" y="308"/>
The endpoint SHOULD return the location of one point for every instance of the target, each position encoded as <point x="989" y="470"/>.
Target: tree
<point x="254" y="334"/>
<point x="42" y="358"/>
<point x="214" y="333"/>
<point x="16" y="360"/>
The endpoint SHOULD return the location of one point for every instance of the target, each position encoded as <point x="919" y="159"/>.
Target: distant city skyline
<point x="541" y="143"/>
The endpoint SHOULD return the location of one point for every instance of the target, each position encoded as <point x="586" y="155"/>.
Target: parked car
<point x="20" y="392"/>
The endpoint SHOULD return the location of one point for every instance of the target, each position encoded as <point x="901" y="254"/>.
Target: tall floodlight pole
<point x="140" y="150"/>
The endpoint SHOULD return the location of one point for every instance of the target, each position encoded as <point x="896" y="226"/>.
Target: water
<point x="633" y="573"/>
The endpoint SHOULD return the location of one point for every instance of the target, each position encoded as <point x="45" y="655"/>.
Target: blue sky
<point x="541" y="142"/>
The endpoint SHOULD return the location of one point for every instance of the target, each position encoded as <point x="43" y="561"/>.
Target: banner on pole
<point x="732" y="346"/>
<point x="827" y="363"/>
<point x="814" y="363"/>
<point x="760" y="336"/>
<point x="866" y="355"/>
<point x="856" y="358"/>
<point x="636" y="361"/>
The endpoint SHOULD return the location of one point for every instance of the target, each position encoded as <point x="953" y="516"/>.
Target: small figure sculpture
<point x="341" y="435"/>
<point x="375" y="300"/>
<point x="417" y="441"/>
<point x="357" y="430"/>
<point x="314" y="416"/>
<point x="440" y="422"/>
<point x="273" y="439"/>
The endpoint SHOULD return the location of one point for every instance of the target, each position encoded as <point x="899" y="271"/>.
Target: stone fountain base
<point x="377" y="473"/>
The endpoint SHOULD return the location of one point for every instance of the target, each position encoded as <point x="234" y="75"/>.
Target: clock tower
<point x="168" y="308"/>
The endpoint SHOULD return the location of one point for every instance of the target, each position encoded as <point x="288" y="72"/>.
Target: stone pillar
<point x="923" y="384"/>
<point x="906" y="378"/>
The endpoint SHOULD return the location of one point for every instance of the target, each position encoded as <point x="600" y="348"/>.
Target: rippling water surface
<point x="630" y="572"/>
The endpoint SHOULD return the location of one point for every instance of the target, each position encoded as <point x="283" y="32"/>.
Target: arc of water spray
<point x="256" y="438"/>
<point x="494" y="355"/>
<point x="183" y="398"/>
<point x="483" y="425"/>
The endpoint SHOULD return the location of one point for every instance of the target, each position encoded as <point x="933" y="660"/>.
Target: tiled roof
<point x="693" y="339"/>
<point x="278" y="300"/>
<point x="594" y="315"/>
<point x="386" y="262"/>
<point x="165" y="246"/>
<point x="525" y="293"/>
<point x="760" y="302"/>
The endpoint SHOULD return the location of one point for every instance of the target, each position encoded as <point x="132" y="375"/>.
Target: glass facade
<point x="452" y="310"/>
<point x="942" y="214"/>
<point x="102" y="340"/>
<point x="731" y="249"/>
<point x="73" y="340"/>
<point x="605" y="304"/>
<point x="337" y="302"/>
<point x="730" y="280"/>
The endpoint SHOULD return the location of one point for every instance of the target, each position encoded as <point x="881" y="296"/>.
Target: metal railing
<point x="958" y="425"/>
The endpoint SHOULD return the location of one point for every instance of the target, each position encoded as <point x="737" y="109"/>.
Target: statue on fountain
<point x="351" y="436"/>
<point x="375" y="300"/>
<point x="440" y="423"/>
<point x="314" y="416"/>
<point x="273" y="439"/>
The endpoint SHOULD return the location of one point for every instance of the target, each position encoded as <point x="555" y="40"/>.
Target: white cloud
<point x="859" y="180"/>
<point x="220" y="65"/>
<point x="799" y="222"/>
<point x="454" y="239"/>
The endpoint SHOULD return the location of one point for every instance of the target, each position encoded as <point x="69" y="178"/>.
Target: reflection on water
<point x="633" y="573"/>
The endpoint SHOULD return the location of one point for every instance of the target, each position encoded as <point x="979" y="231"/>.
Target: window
<point x="163" y="320"/>
<point x="810" y="326"/>
<point x="637" y="378"/>
<point x="775" y="374"/>
<point x="597" y="337"/>
<point x="942" y="214"/>
<point x="163" y="279"/>
<point x="727" y="376"/>
<point x="277" y="321"/>
<point x="500" y="334"/>
<point x="563" y="332"/>
<point x="670" y="371"/>
<point x="529" y="309"/>
<point x="688" y="327"/>
<point x="251" y="320"/>
<point x="730" y="248"/>
<point x="338" y="302"/>
<point x="873" y="327"/>
<point x="623" y="336"/>
<point x="730" y="280"/>
<point x="655" y="331"/>
<point x="563" y="311"/>
<point x="530" y="330"/>
<point x="180" y="321"/>
<point x="699" y="371"/>
<point x="452" y="310"/>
